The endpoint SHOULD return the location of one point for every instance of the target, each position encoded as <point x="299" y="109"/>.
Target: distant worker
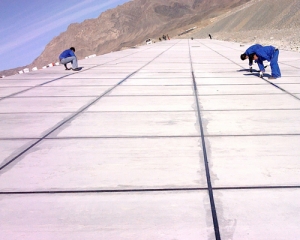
<point x="210" y="36"/>
<point x="248" y="54"/>
<point x="270" y="54"/>
<point x="168" y="37"/>
<point x="68" y="56"/>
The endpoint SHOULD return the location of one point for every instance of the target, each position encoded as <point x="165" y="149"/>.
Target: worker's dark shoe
<point x="272" y="78"/>
<point x="68" y="68"/>
<point x="76" y="69"/>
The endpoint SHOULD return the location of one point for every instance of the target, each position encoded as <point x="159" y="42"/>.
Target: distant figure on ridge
<point x="270" y="54"/>
<point x="68" y="56"/>
<point x="248" y="54"/>
<point x="210" y="36"/>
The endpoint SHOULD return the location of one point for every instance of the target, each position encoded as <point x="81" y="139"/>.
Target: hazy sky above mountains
<point x="27" y="26"/>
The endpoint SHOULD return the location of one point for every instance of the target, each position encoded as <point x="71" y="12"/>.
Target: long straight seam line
<point x="208" y="178"/>
<point x="151" y="136"/>
<point x="56" y="79"/>
<point x="81" y="110"/>
<point x="142" y="190"/>
<point x="273" y="84"/>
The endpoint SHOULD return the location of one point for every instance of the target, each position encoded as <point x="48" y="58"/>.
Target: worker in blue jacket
<point x="270" y="54"/>
<point x="68" y="56"/>
<point x="248" y="54"/>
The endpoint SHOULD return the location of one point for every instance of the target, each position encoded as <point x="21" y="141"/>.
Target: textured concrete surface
<point x="175" y="140"/>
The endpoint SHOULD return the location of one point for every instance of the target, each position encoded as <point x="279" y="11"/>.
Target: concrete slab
<point x="286" y="80"/>
<point x="41" y="75"/>
<point x="168" y="67"/>
<point x="11" y="148"/>
<point x="246" y="102"/>
<point x="46" y="104"/>
<point x="21" y="83"/>
<point x="292" y="88"/>
<point x="159" y="81"/>
<point x="134" y="124"/>
<point x="85" y="82"/>
<point x="162" y="75"/>
<point x="93" y="164"/>
<point x="242" y="213"/>
<point x="77" y="91"/>
<point x="145" y="103"/>
<point x="237" y="89"/>
<point x="252" y="122"/>
<point x="96" y="76"/>
<point x="92" y="216"/>
<point x="153" y="90"/>
<point x="254" y="161"/>
<point x="220" y="74"/>
<point x="29" y="125"/>
<point x="230" y="81"/>
<point x="214" y="68"/>
<point x="6" y="91"/>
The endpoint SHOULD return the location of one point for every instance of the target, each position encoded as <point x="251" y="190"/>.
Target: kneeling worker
<point x="68" y="56"/>
<point x="270" y="54"/>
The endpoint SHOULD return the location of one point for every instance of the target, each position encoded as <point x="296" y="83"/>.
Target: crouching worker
<point x="270" y="54"/>
<point x="68" y="56"/>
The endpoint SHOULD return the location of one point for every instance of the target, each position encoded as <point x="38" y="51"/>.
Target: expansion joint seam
<point x="208" y="178"/>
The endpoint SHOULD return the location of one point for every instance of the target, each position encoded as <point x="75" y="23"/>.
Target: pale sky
<point x="27" y="26"/>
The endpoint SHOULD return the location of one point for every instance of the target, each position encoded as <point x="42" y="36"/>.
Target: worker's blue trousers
<point x="274" y="65"/>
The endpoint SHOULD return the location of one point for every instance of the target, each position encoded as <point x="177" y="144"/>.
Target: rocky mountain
<point x="131" y="24"/>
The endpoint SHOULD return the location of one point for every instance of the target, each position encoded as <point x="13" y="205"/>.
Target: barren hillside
<point x="275" y="22"/>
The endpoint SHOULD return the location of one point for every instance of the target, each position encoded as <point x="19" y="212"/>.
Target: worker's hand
<point x="261" y="74"/>
<point x="250" y="69"/>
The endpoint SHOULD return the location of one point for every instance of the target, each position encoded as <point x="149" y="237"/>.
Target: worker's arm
<point x="260" y="65"/>
<point x="72" y="53"/>
<point x="250" y="62"/>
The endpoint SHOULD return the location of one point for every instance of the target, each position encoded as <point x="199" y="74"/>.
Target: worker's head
<point x="244" y="56"/>
<point x="72" y="48"/>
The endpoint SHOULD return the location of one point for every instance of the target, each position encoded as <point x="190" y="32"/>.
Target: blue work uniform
<point x="270" y="54"/>
<point x="67" y="53"/>
<point x="252" y="50"/>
